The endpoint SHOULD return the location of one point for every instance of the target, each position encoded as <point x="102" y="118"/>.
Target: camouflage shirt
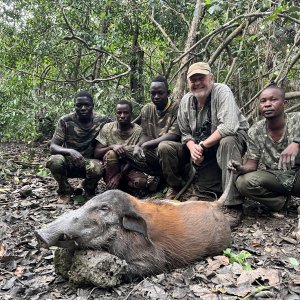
<point x="71" y="134"/>
<point x="111" y="135"/>
<point x="156" y="124"/>
<point x="261" y="146"/>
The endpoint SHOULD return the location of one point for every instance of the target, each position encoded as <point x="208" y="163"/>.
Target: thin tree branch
<point x="224" y="26"/>
<point x="151" y="17"/>
<point x="279" y="80"/>
<point x="237" y="55"/>
<point x="289" y="17"/>
<point x="231" y="36"/>
<point x="293" y="108"/>
<point x="168" y="6"/>
<point x="292" y="95"/>
<point x="38" y="76"/>
<point x="75" y="37"/>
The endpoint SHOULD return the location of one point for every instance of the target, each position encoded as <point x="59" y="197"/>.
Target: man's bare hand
<point x="196" y="152"/>
<point x="77" y="158"/>
<point x="119" y="149"/>
<point x="288" y="156"/>
<point x="234" y="166"/>
<point x="138" y="151"/>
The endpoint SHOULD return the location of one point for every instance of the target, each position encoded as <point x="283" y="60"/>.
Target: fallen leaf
<point x="2" y="250"/>
<point x="296" y="280"/>
<point x="202" y="292"/>
<point x="152" y="291"/>
<point x="8" y="284"/>
<point x="179" y="293"/>
<point x="271" y="276"/>
<point x="289" y="240"/>
<point x="19" y="271"/>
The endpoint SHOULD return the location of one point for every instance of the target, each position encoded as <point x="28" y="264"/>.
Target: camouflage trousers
<point x="113" y="166"/>
<point x="169" y="159"/>
<point x="63" y="167"/>
<point x="269" y="188"/>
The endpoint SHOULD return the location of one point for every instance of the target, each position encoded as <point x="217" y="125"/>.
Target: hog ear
<point x="133" y="222"/>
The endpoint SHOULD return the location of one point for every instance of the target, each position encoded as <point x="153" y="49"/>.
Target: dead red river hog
<point x="152" y="236"/>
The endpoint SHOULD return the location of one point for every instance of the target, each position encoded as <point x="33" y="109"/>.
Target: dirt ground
<point x="28" y="201"/>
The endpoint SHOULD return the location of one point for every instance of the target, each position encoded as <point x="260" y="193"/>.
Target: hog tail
<point x="220" y="202"/>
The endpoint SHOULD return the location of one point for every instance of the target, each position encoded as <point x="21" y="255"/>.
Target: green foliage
<point x="43" y="65"/>
<point x="240" y="258"/>
<point x="42" y="171"/>
<point x="294" y="262"/>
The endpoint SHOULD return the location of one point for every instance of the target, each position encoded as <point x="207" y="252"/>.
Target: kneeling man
<point x="72" y="148"/>
<point x="274" y="142"/>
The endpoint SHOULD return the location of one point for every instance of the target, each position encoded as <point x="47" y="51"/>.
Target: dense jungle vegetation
<point x="51" y="49"/>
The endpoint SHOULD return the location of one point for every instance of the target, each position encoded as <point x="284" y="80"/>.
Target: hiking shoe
<point x="64" y="199"/>
<point x="233" y="214"/>
<point x="171" y="193"/>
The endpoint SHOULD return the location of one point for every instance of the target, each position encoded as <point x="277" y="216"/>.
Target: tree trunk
<point x="191" y="39"/>
<point x="136" y="64"/>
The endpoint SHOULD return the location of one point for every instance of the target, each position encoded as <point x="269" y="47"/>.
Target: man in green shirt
<point x="111" y="142"/>
<point x="72" y="148"/>
<point x="273" y="142"/>
<point x="159" y="151"/>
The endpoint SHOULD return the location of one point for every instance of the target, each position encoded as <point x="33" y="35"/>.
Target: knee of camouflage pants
<point x="94" y="169"/>
<point x="57" y="164"/>
<point x="253" y="186"/>
<point x="164" y="147"/>
<point x="94" y="172"/>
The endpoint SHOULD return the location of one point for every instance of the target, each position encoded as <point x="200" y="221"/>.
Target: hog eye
<point x="104" y="207"/>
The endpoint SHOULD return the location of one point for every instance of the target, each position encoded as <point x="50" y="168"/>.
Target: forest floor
<point x="28" y="201"/>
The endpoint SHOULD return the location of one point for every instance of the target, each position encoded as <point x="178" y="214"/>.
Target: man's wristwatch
<point x="202" y="146"/>
<point x="296" y="140"/>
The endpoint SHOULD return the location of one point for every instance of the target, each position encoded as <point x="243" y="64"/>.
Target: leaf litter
<point x="28" y="201"/>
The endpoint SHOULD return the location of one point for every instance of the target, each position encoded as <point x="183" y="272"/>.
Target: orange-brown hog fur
<point x="178" y="234"/>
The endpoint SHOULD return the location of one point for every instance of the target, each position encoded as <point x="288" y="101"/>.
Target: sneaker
<point x="171" y="193"/>
<point x="233" y="214"/>
<point x="64" y="199"/>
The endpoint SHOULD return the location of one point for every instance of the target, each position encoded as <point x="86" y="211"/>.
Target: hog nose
<point x="42" y="241"/>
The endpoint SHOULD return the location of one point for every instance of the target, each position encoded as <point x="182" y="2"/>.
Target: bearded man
<point x="214" y="130"/>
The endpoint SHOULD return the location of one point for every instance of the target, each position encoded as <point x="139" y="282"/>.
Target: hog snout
<point x="43" y="242"/>
<point x="62" y="240"/>
<point x="45" y="239"/>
